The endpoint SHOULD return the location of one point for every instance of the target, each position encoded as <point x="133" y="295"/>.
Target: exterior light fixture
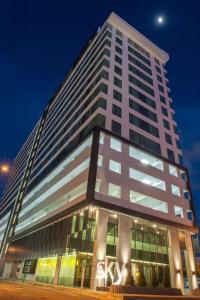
<point x="154" y="225"/>
<point x="135" y="221"/>
<point x="144" y="161"/>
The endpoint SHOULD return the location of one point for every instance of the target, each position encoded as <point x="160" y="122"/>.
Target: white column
<point x="176" y="272"/>
<point x="190" y="262"/>
<point x="99" y="249"/>
<point x="124" y="242"/>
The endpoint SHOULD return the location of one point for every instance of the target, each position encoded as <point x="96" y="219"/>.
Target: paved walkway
<point x="29" y="291"/>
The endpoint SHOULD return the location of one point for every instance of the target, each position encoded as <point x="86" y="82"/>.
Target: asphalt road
<point x="24" y="291"/>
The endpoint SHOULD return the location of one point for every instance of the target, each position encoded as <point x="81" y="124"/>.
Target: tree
<point x="166" y="277"/>
<point x="154" y="277"/>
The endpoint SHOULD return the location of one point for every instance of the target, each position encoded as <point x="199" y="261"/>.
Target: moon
<point x="160" y="19"/>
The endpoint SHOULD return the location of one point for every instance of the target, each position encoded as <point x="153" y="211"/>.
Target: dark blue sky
<point x="39" y="40"/>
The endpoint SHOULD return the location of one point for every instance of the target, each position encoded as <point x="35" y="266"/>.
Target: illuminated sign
<point x="104" y="269"/>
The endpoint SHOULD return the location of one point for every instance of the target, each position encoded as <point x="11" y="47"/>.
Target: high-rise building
<point x="100" y="181"/>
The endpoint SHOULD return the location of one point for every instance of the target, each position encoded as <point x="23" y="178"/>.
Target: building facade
<point x="99" y="190"/>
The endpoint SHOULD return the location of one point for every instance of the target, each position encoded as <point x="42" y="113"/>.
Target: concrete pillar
<point x="190" y="262"/>
<point x="124" y="243"/>
<point x="176" y="272"/>
<point x="57" y="271"/>
<point x="99" y="250"/>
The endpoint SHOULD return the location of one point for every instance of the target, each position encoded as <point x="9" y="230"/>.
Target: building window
<point x="159" y="78"/>
<point x="175" y="129"/>
<point x="116" y="110"/>
<point x="141" y="97"/>
<point x="162" y="99"/>
<point x="186" y="194"/>
<point x="116" y="127"/>
<point x="142" y="110"/>
<point x="145" y="158"/>
<point x="119" y="33"/>
<point x="180" y="159"/>
<point x="175" y="190"/>
<point x="117" y="95"/>
<point x="143" y="125"/>
<point x="173" y="171"/>
<point x="168" y="138"/>
<point x="161" y="89"/>
<point x="178" y="211"/>
<point x="101" y="138"/>
<point x="144" y="142"/>
<point x="118" y="59"/>
<point x="147" y="179"/>
<point x="158" y="69"/>
<point x="115" y="144"/>
<point x="141" y="85"/>
<point x="98" y="185"/>
<point x="118" y="70"/>
<point x="114" y="166"/>
<point x="114" y="190"/>
<point x="178" y="144"/>
<point x="100" y="160"/>
<point x="156" y="61"/>
<point x="117" y="82"/>
<point x="164" y="111"/>
<point x="118" y="50"/>
<point x="118" y="41"/>
<point x="190" y="215"/>
<point x="149" y="202"/>
<point x="170" y="155"/>
<point x="166" y="124"/>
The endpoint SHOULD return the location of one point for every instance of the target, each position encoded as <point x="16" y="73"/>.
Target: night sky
<point x="40" y="39"/>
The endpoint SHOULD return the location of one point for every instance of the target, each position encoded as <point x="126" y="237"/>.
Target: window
<point x="117" y="82"/>
<point x="178" y="211"/>
<point x="156" y="61"/>
<point x="118" y="59"/>
<point x="116" y="127"/>
<point x="186" y="194"/>
<point x="166" y="124"/>
<point x="115" y="144"/>
<point x="149" y="202"/>
<point x="145" y="159"/>
<point x="141" y="97"/>
<point x="102" y="137"/>
<point x="162" y="99"/>
<point x="164" y="111"/>
<point x="144" y="111"/>
<point x="100" y="160"/>
<point x="159" y="78"/>
<point x="145" y="142"/>
<point x="117" y="95"/>
<point x="116" y="110"/>
<point x="158" y="69"/>
<point x="143" y="125"/>
<point x="118" y="50"/>
<point x="141" y="85"/>
<point x="98" y="185"/>
<point x="161" y="89"/>
<point x="114" y="190"/>
<point x="175" y="190"/>
<point x="140" y="74"/>
<point x="138" y="47"/>
<point x="168" y="138"/>
<point x="190" y="215"/>
<point x="173" y="116"/>
<point x="139" y="64"/>
<point x="114" y="166"/>
<point x="118" y="41"/>
<point x="173" y="171"/>
<point x="170" y="155"/>
<point x="119" y="33"/>
<point x="147" y="179"/>
<point x="140" y="56"/>
<point x="118" y="70"/>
